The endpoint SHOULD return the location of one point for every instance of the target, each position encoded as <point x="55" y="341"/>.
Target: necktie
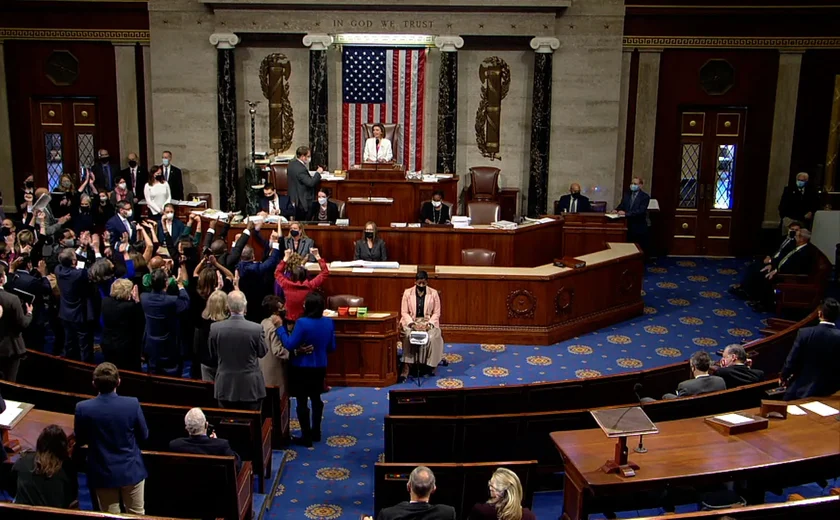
<point x="166" y="173"/>
<point x="133" y="178"/>
<point x="107" y="172"/>
<point x="632" y="199"/>
<point x="573" y="206"/>
<point x="785" y="259"/>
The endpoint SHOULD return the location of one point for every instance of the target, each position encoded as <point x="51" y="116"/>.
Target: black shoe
<point x="401" y="379"/>
<point x="302" y="441"/>
<point x="316" y="436"/>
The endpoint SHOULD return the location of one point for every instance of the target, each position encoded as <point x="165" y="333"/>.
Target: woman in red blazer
<point x="298" y="286"/>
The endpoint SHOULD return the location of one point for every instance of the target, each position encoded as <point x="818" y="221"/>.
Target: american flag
<point x="383" y="86"/>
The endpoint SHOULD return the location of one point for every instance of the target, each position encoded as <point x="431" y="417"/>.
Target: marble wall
<point x="7" y="181"/>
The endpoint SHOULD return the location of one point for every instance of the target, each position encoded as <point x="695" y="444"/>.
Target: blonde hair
<point x="217" y="307"/>
<point x="121" y="289"/>
<point x="509" y="502"/>
<point x="302" y="230"/>
<point x="375" y="229"/>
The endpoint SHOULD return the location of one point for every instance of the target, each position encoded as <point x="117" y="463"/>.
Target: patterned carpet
<point x="687" y="309"/>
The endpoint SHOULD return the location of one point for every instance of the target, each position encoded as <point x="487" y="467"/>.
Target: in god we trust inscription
<point x="383" y="24"/>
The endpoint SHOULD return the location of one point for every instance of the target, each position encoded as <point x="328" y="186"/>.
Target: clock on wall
<point x="62" y="68"/>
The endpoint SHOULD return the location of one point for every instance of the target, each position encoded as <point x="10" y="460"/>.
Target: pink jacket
<point x="431" y="307"/>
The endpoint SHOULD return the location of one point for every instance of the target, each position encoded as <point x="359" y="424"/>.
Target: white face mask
<point x="128" y="215"/>
<point x="122" y="185"/>
<point x="165" y="162"/>
<point x="322" y="201"/>
<point x="168" y="216"/>
<point x="436" y="203"/>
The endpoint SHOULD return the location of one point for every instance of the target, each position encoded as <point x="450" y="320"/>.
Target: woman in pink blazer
<point x="420" y="310"/>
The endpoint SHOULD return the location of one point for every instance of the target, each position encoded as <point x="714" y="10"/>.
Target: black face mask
<point x="104" y="160"/>
<point x="282" y="313"/>
<point x="421" y="288"/>
<point x="84" y="209"/>
<point x="575" y="194"/>
<point x="369" y="235"/>
<point x="159" y="178"/>
<point x="294" y="232"/>
<point x="29" y="184"/>
<point x="792" y="234"/>
<point x="132" y="164"/>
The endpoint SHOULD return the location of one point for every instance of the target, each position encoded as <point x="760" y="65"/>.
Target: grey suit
<point x="697" y="386"/>
<point x="238" y="345"/>
<point x="304" y="245"/>
<point x="302" y="187"/>
<point x="378" y="254"/>
<point x="12" y="323"/>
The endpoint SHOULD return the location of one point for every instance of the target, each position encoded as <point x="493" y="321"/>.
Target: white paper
<point x="415" y="224"/>
<point x="80" y="264"/>
<point x="733" y="418"/>
<point x="820" y="408"/>
<point x="792" y="409"/>
<point x="430" y="178"/>
<point x="614" y="215"/>
<point x="365" y="264"/>
<point x="362" y="270"/>
<point x="381" y="199"/>
<point x="256" y="218"/>
<point x="13" y="409"/>
<point x="653" y="205"/>
<point x="398" y="224"/>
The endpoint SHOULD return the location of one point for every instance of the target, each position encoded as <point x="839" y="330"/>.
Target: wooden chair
<point x="598" y="206"/>
<point x="802" y="292"/>
<point x="344" y="300"/>
<point x="483" y="212"/>
<point x="477" y="256"/>
<point x="484" y="183"/>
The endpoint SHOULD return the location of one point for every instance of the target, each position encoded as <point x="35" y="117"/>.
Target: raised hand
<point x="317" y="254"/>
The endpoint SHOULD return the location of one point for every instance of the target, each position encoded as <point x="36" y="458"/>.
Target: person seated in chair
<point x="272" y="203"/>
<point x="812" y="366"/>
<point x="734" y="369"/>
<point x="420" y="311"/>
<point x="202" y="440"/>
<point x="323" y="209"/>
<point x="701" y="382"/>
<point x="371" y="248"/>
<point x="505" y="499"/>
<point x="800" y="260"/>
<point x="435" y="211"/>
<point x="755" y="272"/>
<point x="574" y="202"/>
<point x="421" y="485"/>
<point x="46" y="477"/>
<point x="378" y="148"/>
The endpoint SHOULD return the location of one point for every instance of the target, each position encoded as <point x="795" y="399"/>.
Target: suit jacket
<point x="800" y="262"/>
<point x="431" y="307"/>
<point x="332" y="211"/>
<point x="179" y="229"/>
<point x="304" y="245"/>
<point x="417" y="511"/>
<point x="635" y="211"/>
<point x="796" y="203"/>
<point x="284" y="202"/>
<point x="255" y="282"/>
<point x="122" y="329"/>
<point x="238" y="345"/>
<point x="787" y="245"/>
<point x="161" y="331"/>
<point x="12" y="323"/>
<point x="142" y="178"/>
<point x="302" y="186"/>
<point x="813" y="362"/>
<point x="38" y="286"/>
<point x="2" y="449"/>
<point x="583" y="205"/>
<point x="116" y="228"/>
<point x="378" y="254"/>
<point x="103" y="181"/>
<point x="274" y="364"/>
<point x="231" y="258"/>
<point x="739" y="375"/>
<point x="488" y="512"/>
<point x="428" y="212"/>
<point x="112" y="426"/>
<point x="176" y="182"/>
<point x="384" y="154"/>
<point x="204" y="445"/>
<point x="700" y="385"/>
<point x="75" y="304"/>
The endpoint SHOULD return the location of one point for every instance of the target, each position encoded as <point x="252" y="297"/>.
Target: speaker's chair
<point x="390" y="134"/>
<point x="484" y="183"/>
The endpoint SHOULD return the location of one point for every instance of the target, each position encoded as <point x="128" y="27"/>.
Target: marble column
<point x="228" y="157"/>
<point x="447" y="120"/>
<point x="318" y="97"/>
<point x="781" y="145"/>
<point x="7" y="181"/>
<point x="647" y="97"/>
<point x="127" y="115"/>
<point x="624" y="105"/>
<point x="150" y="121"/>
<point x="540" y="125"/>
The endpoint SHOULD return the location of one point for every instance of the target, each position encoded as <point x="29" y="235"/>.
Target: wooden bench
<point x="57" y="373"/>
<point x="768" y="354"/>
<point x="526" y="436"/>
<point x="12" y="511"/>
<point x="458" y="485"/>
<point x="249" y="435"/>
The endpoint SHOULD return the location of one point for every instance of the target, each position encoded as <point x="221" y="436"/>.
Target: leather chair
<point x="484" y="183"/>
<point x="280" y="178"/>
<point x="483" y="212"/>
<point x="598" y="206"/>
<point x="201" y="196"/>
<point x="390" y="134"/>
<point x="799" y="294"/>
<point x="344" y="300"/>
<point x="342" y="207"/>
<point x="478" y="256"/>
<point x="451" y="206"/>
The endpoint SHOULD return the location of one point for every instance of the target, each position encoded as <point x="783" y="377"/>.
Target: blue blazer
<point x="814" y="362"/>
<point x="287" y="209"/>
<point x="635" y="212"/>
<point x="318" y="332"/>
<point x="255" y="281"/>
<point x="76" y="305"/>
<point x="161" y="333"/>
<point x="112" y="426"/>
<point x="115" y="227"/>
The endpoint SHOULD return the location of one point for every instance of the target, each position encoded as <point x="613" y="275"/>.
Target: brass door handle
<point x="719" y="227"/>
<point x="685" y="225"/>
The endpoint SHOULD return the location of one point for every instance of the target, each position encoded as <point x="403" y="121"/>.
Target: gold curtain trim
<point x="110" y="35"/>
<point x="730" y="42"/>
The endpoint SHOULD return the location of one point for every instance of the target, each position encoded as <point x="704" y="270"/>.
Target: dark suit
<point x="302" y="187"/>
<point x="2" y="449"/>
<point x="137" y="182"/>
<point x="377" y="254"/>
<point x="799" y="261"/>
<point x="739" y="375"/>
<point x="797" y="202"/>
<point x="173" y="176"/>
<point x="112" y="426"/>
<point x="813" y="362"/>
<point x="12" y="323"/>
<point x="204" y="445"/>
<point x="256" y="283"/>
<point x="486" y="511"/>
<point x="161" y="333"/>
<point x="122" y="333"/>
<point x="284" y="204"/>
<point x="39" y="286"/>
<point x="583" y="206"/>
<point x="179" y="229"/>
<point x="75" y="311"/>
<point x="314" y="210"/>
<point x="636" y="212"/>
<point x="238" y="345"/>
<point x="104" y="176"/>
<point x="417" y="511"/>
<point x="427" y="212"/>
<point x="697" y="386"/>
<point x="116" y="228"/>
<point x="230" y="258"/>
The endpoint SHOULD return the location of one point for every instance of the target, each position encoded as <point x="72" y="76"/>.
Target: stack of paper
<point x="13" y="410"/>
<point x="544" y="220"/>
<point x="733" y="418"/>
<point x="460" y="222"/>
<point x="365" y="264"/>
<point x="382" y="199"/>
<point x="820" y="409"/>
<point x="503" y="224"/>
<point x="430" y="178"/>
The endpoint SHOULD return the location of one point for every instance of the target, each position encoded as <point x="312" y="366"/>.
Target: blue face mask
<point x="800" y="184"/>
<point x="634" y="187"/>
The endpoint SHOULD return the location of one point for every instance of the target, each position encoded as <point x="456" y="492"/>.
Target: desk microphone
<point x="637" y="389"/>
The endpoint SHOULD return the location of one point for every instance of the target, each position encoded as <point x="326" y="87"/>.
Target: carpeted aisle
<point x="687" y="309"/>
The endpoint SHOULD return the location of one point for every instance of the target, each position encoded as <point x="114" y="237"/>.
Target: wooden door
<point x="64" y="139"/>
<point x="711" y="145"/>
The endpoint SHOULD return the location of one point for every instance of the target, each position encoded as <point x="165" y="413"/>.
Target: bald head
<point x="156" y="263"/>
<point x="195" y="422"/>
<point x="39" y="192"/>
<point x="236" y="302"/>
<point x="574" y="188"/>
<point x="421" y="484"/>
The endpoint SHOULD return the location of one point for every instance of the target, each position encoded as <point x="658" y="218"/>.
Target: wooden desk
<point x="33" y="423"/>
<point x="366" y="353"/>
<point x="407" y="195"/>
<point x="377" y="171"/>
<point x="689" y="452"/>
<point x="585" y="233"/>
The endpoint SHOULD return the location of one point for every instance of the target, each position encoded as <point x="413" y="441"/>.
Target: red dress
<point x="296" y="291"/>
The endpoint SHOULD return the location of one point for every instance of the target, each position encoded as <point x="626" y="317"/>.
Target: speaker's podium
<point x="373" y="171"/>
<point x="621" y="423"/>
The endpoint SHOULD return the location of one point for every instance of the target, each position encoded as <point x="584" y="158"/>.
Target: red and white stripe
<point x="404" y="104"/>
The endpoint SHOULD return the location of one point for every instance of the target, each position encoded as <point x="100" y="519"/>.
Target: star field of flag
<point x="364" y="74"/>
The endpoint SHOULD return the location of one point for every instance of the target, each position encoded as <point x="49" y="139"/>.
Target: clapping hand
<point x="287" y="254"/>
<point x="84" y="239"/>
<point x="236" y="279"/>
<point x="63" y="220"/>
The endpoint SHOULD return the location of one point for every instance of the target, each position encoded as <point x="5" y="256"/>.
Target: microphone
<point x="637" y="389"/>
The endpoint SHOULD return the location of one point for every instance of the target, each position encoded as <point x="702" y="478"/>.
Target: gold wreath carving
<point x="563" y="300"/>
<point x="521" y="304"/>
<point x="275" y="70"/>
<point x="494" y="74"/>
